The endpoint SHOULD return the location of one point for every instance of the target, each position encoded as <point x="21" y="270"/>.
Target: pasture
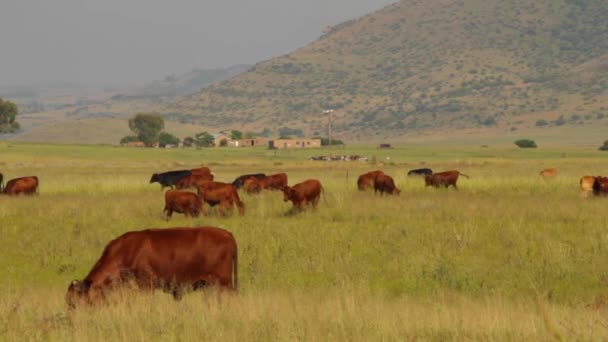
<point x="507" y="257"/>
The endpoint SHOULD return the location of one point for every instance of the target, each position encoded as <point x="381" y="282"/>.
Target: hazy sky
<point x="129" y="41"/>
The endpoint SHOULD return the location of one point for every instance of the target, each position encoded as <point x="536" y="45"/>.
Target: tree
<point x="236" y="135"/>
<point x="147" y="127"/>
<point x="165" y="139"/>
<point x="8" y="112"/>
<point x="525" y="143"/>
<point x="223" y="142"/>
<point x="203" y="139"/>
<point x="188" y="141"/>
<point x="605" y="146"/>
<point x="127" y="139"/>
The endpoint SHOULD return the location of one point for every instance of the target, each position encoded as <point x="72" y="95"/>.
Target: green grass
<point x="508" y="257"/>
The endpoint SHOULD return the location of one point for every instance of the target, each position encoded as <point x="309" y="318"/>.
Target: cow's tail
<point x="462" y="174"/>
<point x="235" y="265"/>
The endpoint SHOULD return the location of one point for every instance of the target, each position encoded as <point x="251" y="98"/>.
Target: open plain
<point x="509" y="256"/>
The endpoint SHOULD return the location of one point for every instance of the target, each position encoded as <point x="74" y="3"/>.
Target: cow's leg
<point x="169" y="213"/>
<point x="315" y="201"/>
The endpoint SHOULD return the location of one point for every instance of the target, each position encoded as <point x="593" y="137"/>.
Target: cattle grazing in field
<point x="385" y="184"/>
<point x="586" y="183"/>
<point x="240" y="180"/>
<point x="548" y="174"/>
<point x="183" y="202"/>
<point x="174" y="260"/>
<point x="366" y="180"/>
<point x="420" y="172"/>
<point x="309" y="191"/>
<point x="23" y="185"/>
<point x="600" y="186"/>
<point x="223" y="194"/>
<point x="274" y="182"/>
<point x="192" y="180"/>
<point x="445" y="179"/>
<point x="168" y="179"/>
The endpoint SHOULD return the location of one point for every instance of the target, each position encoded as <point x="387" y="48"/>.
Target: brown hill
<point x="428" y="67"/>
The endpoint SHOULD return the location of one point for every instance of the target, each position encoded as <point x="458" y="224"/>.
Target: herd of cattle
<point x="185" y="259"/>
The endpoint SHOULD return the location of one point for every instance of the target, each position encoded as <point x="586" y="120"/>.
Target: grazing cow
<point x="309" y="191"/>
<point x="240" y="180"/>
<point x="367" y="180"/>
<point x="192" y="180"/>
<point x="274" y="182"/>
<point x="224" y="194"/>
<point x="168" y="179"/>
<point x="548" y="174"/>
<point x="174" y="259"/>
<point x="252" y="186"/>
<point x="23" y="185"/>
<point x="420" y="172"/>
<point x="445" y="179"/>
<point x="183" y="202"/>
<point x="384" y="183"/>
<point x="586" y="183"/>
<point x="600" y="186"/>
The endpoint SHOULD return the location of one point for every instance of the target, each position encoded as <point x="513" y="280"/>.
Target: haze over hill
<point x="429" y="66"/>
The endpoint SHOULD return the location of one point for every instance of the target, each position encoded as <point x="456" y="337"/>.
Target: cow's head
<point x="154" y="178"/>
<point x="428" y="180"/>
<point x="78" y="293"/>
<point x="288" y="193"/>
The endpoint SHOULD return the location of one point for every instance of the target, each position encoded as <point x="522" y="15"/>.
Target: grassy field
<point x="508" y="257"/>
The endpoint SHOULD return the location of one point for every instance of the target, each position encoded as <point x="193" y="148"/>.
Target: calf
<point x="240" y="180"/>
<point x="23" y="185"/>
<point x="252" y="186"/>
<point x="274" y="182"/>
<point x="445" y="179"/>
<point x="222" y="194"/>
<point x="174" y="259"/>
<point x="309" y="191"/>
<point x="385" y="184"/>
<point x="367" y="180"/>
<point x="183" y="202"/>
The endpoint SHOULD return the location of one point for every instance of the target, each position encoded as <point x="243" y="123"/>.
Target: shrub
<point x="604" y="147"/>
<point x="525" y="143"/>
<point x="541" y="123"/>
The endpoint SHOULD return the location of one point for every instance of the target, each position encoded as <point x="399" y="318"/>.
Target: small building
<point x="253" y="142"/>
<point x="217" y="140"/>
<point x="294" y="143"/>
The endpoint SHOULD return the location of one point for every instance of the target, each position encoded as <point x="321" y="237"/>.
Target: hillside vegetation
<point x="440" y="66"/>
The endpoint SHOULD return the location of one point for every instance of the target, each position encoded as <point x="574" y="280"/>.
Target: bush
<point x="128" y="139"/>
<point x="525" y="143"/>
<point x="165" y="139"/>
<point x="541" y="123"/>
<point x="604" y="147"/>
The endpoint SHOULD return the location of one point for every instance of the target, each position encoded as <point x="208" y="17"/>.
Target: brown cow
<point x="174" y="259"/>
<point x="445" y="178"/>
<point x="192" y="180"/>
<point x="600" y="186"/>
<point x="252" y="185"/>
<point x="309" y="191"/>
<point x="586" y="183"/>
<point x="367" y="180"/>
<point x="203" y="171"/>
<point x="274" y="182"/>
<point x="24" y="185"/>
<point x="384" y="183"/>
<point x="224" y="194"/>
<point x="548" y="174"/>
<point x="183" y="202"/>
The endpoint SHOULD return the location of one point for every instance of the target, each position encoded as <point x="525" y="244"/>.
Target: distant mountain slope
<point x="441" y="66"/>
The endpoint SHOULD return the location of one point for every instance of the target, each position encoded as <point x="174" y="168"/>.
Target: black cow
<point x="420" y="172"/>
<point x="168" y="179"/>
<point x="240" y="180"/>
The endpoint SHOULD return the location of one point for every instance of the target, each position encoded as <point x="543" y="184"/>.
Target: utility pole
<point x="329" y="111"/>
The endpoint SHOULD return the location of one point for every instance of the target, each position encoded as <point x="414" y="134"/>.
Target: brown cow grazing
<point x="274" y="182"/>
<point x="367" y="180"/>
<point x="548" y="174"/>
<point x="224" y="194"/>
<point x="192" y="180"/>
<point x="24" y="185"/>
<point x="252" y="185"/>
<point x="586" y="183"/>
<point x="384" y="183"/>
<point x="309" y="191"/>
<point x="174" y="259"/>
<point x="183" y="202"/>
<point x="445" y="179"/>
<point x="600" y="186"/>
